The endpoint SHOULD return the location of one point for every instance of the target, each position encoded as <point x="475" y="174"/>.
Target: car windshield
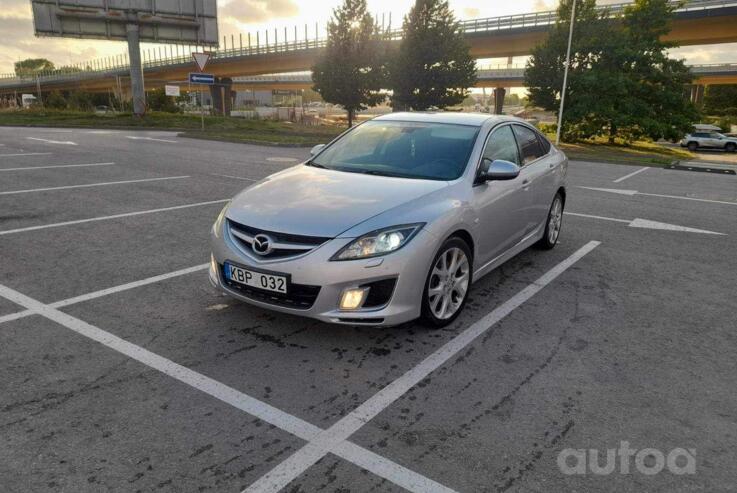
<point x="428" y="151"/>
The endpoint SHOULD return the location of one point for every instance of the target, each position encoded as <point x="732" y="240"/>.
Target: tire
<point x="692" y="146"/>
<point x="553" y="224"/>
<point x="730" y="147"/>
<point x="433" y="314"/>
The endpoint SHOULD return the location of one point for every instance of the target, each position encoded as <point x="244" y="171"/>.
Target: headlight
<point x="218" y="226"/>
<point x="378" y="242"/>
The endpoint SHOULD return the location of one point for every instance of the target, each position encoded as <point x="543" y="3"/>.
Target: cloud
<point x="16" y="9"/>
<point x="255" y="11"/>
<point x="471" y="13"/>
<point x="20" y="43"/>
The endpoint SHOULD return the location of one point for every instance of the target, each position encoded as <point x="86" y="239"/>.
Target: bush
<point x="81" y="101"/>
<point x="55" y="101"/>
<point x="157" y="100"/>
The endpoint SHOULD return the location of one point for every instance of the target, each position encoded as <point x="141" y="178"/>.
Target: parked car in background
<point x="393" y="220"/>
<point x="709" y="140"/>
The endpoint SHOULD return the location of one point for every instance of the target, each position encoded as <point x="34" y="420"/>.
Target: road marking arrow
<point x="65" y="142"/>
<point x="635" y="192"/>
<point x="648" y="224"/>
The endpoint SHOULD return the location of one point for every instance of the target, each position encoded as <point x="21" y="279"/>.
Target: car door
<point x="716" y="140"/>
<point x="501" y="205"/>
<point x="540" y="175"/>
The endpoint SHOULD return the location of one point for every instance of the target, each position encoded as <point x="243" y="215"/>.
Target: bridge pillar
<point x="499" y="94"/>
<point x="136" y="71"/>
<point x="222" y="96"/>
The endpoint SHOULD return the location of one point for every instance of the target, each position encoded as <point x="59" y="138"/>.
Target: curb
<point x="243" y="141"/>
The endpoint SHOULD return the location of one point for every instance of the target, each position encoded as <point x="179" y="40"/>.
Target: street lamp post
<point x="565" y="74"/>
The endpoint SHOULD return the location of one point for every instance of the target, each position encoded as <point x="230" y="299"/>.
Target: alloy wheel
<point x="555" y="220"/>
<point x="448" y="283"/>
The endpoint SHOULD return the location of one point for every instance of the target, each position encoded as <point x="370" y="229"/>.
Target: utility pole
<point x="565" y="74"/>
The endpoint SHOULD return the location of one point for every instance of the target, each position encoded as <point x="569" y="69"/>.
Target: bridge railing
<point x="118" y="65"/>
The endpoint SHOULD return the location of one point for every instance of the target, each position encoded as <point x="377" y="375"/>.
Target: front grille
<point x="292" y="245"/>
<point x="300" y="296"/>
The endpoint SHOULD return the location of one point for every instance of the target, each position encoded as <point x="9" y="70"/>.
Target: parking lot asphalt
<point x="123" y="370"/>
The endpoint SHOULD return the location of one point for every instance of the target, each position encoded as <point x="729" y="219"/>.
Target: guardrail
<point x="174" y="55"/>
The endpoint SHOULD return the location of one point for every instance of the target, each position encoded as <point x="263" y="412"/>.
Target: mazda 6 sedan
<point x="393" y="220"/>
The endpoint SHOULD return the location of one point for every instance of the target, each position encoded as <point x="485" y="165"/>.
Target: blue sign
<point x="196" y="78"/>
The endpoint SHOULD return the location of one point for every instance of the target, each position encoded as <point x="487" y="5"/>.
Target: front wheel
<point x="553" y="224"/>
<point x="447" y="284"/>
<point x="730" y="147"/>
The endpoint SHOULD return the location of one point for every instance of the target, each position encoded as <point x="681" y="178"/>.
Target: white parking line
<point x="618" y="180"/>
<point x="26" y="154"/>
<point x="371" y="461"/>
<point x="108" y="291"/>
<point x="236" y="177"/>
<point x="68" y="187"/>
<point x="105" y="218"/>
<point x="331" y="439"/>
<point x="151" y="138"/>
<point x="635" y="192"/>
<point x="57" y="166"/>
<point x="48" y="141"/>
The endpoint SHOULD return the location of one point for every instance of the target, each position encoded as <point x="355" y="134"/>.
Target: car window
<point x="529" y="145"/>
<point x="700" y="134"/>
<point x="545" y="143"/>
<point x="715" y="135"/>
<point x="502" y="145"/>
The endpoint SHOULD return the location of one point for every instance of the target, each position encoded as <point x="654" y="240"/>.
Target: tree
<point x="433" y="66"/>
<point x="349" y="72"/>
<point x="621" y="82"/>
<point x="721" y="99"/>
<point x="32" y="66"/>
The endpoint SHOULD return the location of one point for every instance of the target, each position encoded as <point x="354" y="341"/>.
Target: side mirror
<point x="315" y="150"/>
<point x="497" y="170"/>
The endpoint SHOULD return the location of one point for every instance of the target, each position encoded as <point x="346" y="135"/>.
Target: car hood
<point x="319" y="202"/>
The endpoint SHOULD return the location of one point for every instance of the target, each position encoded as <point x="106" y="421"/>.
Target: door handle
<point x="525" y="181"/>
<point x="551" y="166"/>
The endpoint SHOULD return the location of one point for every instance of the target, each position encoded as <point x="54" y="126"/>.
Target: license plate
<point x="268" y="282"/>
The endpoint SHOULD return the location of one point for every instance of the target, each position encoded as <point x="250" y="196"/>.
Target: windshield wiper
<point x="386" y="173"/>
<point x="314" y="164"/>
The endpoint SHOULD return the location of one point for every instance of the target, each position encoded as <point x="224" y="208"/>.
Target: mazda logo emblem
<point x="262" y="244"/>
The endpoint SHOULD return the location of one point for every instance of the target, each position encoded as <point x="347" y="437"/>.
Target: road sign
<point x="172" y="90"/>
<point x="160" y="21"/>
<point x="154" y="21"/>
<point x="196" y="78"/>
<point x="201" y="60"/>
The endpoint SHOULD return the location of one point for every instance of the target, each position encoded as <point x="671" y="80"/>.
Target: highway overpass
<point x="697" y="22"/>
<point x="723" y="73"/>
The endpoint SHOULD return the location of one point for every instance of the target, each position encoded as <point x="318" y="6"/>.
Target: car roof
<point x="473" y="119"/>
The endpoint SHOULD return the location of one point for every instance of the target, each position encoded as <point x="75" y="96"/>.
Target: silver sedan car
<point x="393" y="220"/>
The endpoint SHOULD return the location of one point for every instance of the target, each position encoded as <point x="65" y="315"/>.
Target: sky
<point x="243" y="16"/>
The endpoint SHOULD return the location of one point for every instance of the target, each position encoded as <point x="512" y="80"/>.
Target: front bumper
<point x="408" y="265"/>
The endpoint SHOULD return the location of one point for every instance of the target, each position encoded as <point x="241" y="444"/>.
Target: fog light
<point x="353" y="298"/>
